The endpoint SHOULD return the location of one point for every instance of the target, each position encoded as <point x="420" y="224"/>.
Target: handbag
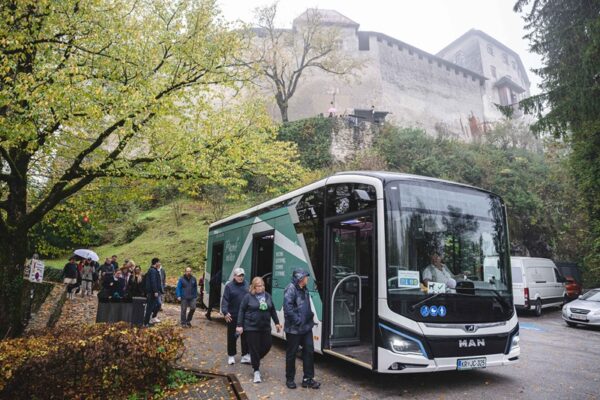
<point x="70" y="281"/>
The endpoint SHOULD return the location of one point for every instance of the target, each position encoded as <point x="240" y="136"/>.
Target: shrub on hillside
<point x="91" y="362"/>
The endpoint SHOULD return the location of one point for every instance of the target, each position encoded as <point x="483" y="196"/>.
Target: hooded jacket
<point x="296" y="306"/>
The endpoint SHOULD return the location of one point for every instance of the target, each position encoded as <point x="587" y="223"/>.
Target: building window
<point x="514" y="65"/>
<point x="490" y="49"/>
<point x="504" y="58"/>
<point x="493" y="69"/>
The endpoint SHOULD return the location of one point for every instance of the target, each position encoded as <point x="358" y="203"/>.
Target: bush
<point x="91" y="362"/>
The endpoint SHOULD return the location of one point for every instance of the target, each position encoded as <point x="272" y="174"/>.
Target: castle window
<point x="514" y="65"/>
<point x="505" y="58"/>
<point x="490" y="49"/>
<point x="363" y="42"/>
<point x="410" y="52"/>
<point x="493" y="69"/>
<point x="420" y="56"/>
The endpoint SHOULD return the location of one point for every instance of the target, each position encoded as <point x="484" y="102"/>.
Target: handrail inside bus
<point x="333" y="297"/>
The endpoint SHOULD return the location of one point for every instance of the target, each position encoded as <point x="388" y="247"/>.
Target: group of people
<point x="248" y="311"/>
<point x="116" y="283"/>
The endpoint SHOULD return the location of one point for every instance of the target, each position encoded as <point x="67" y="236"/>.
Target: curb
<point x="232" y="380"/>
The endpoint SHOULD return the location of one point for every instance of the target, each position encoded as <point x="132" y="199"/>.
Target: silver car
<point x="585" y="310"/>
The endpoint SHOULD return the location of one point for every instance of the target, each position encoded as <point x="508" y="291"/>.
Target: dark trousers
<point x="308" y="348"/>
<point x="231" y="340"/>
<point x="151" y="306"/>
<point x="185" y="304"/>
<point x="259" y="344"/>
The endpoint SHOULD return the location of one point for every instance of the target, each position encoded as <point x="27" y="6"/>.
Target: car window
<point x="557" y="275"/>
<point x="517" y="275"/>
<point x="592" y="295"/>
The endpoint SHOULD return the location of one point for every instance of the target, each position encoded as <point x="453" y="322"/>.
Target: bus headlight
<point x="515" y="342"/>
<point x="401" y="343"/>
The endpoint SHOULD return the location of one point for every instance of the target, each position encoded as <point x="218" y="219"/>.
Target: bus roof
<point x="383" y="176"/>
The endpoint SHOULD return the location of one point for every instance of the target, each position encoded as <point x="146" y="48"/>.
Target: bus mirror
<point x="362" y="195"/>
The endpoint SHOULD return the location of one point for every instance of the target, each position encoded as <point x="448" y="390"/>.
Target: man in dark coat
<point x="187" y="293"/>
<point x="298" y="330"/>
<point x="153" y="290"/>
<point x="234" y="292"/>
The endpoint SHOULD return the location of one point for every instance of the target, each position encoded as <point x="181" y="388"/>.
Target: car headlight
<point x="515" y="341"/>
<point x="401" y="343"/>
<point x="597" y="312"/>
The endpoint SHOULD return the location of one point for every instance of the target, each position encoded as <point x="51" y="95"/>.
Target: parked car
<point x="573" y="289"/>
<point x="585" y="310"/>
<point x="537" y="284"/>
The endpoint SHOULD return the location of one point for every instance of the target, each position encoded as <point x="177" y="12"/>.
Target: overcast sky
<point x="427" y="24"/>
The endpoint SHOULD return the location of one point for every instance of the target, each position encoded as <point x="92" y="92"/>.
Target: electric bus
<point x="408" y="273"/>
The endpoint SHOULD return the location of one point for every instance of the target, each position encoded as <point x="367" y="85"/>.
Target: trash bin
<point x="126" y="310"/>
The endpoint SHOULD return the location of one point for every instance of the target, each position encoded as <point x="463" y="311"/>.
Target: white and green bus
<point x="367" y="239"/>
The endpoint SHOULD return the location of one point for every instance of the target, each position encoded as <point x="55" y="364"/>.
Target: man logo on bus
<point x="470" y="328"/>
<point x="471" y="343"/>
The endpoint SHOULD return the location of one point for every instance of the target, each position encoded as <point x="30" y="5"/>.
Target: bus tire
<point x="538" y="308"/>
<point x="571" y="324"/>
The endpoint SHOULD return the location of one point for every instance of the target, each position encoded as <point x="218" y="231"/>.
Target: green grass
<point x="176" y="246"/>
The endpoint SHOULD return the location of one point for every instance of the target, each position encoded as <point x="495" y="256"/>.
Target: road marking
<point x="530" y="327"/>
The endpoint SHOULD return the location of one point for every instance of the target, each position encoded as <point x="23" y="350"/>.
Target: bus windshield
<point x="449" y="241"/>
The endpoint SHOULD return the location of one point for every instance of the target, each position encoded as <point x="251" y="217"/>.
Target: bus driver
<point x="438" y="272"/>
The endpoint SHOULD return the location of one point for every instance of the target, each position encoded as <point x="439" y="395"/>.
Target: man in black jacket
<point x="298" y="330"/>
<point x="234" y="292"/>
<point x="153" y="290"/>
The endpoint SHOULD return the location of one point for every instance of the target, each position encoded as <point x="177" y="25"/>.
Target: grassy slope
<point x="176" y="246"/>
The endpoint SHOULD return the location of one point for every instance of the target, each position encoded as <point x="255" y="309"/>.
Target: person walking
<point x="87" y="278"/>
<point x="234" y="292"/>
<point x="298" y="330"/>
<point x="213" y="296"/>
<point x="70" y="276"/>
<point x="254" y="319"/>
<point x="153" y="290"/>
<point x="187" y="293"/>
<point x="163" y="283"/>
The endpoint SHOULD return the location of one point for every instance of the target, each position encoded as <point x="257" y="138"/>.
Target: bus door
<point x="262" y="257"/>
<point x="216" y="270"/>
<point x="351" y="264"/>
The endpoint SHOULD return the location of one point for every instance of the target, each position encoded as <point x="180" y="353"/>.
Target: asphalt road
<point x="557" y="362"/>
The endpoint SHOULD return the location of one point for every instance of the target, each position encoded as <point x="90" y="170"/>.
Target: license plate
<point x="579" y="317"/>
<point x="471" y="363"/>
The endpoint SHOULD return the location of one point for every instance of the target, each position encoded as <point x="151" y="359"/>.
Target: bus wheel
<point x="571" y="324"/>
<point x="538" y="308"/>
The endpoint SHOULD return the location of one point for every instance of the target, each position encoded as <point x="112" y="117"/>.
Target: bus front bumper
<point x="390" y="362"/>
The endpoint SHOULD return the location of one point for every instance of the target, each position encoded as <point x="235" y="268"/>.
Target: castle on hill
<point x="453" y="92"/>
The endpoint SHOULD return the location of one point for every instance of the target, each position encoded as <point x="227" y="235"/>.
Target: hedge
<point x="88" y="362"/>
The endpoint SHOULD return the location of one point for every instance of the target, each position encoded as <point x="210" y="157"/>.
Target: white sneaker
<point x="245" y="359"/>
<point x="156" y="320"/>
<point x="257" y="377"/>
<point x="231" y="360"/>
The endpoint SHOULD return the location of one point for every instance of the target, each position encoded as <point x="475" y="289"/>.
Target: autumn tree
<point x="282" y="56"/>
<point x="114" y="88"/>
<point x="567" y="36"/>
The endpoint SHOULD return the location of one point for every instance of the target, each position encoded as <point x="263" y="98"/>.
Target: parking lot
<point x="557" y="362"/>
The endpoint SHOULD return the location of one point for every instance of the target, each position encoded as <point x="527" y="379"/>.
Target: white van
<point x="536" y="284"/>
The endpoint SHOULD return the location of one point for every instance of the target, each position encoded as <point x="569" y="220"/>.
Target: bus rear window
<point x="517" y="275"/>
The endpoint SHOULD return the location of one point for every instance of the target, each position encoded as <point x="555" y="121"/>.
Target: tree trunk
<point x="283" y="108"/>
<point x="13" y="253"/>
